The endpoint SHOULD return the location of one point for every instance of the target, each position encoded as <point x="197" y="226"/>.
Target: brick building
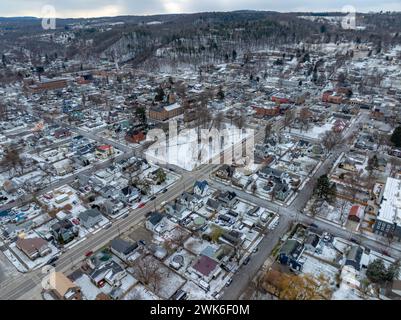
<point x="162" y="113"/>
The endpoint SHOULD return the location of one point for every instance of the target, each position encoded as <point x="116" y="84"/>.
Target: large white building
<point x="388" y="221"/>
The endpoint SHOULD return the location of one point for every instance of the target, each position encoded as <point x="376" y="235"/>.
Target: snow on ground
<point x="315" y="268"/>
<point x="7" y="269"/>
<point x="195" y="292"/>
<point x="186" y="143"/>
<point x="128" y="282"/>
<point x="15" y="261"/>
<point x="34" y="264"/>
<point x="345" y="292"/>
<point x="170" y="282"/>
<point x="196" y="245"/>
<point x="189" y="258"/>
<point x="139" y="292"/>
<point x="314" y="132"/>
<point x="337" y="213"/>
<point x="88" y="289"/>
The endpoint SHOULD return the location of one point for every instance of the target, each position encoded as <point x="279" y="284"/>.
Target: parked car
<point x="164" y="190"/>
<point x="255" y="250"/>
<point x="142" y="242"/>
<point x="229" y="282"/>
<point x="355" y="241"/>
<point x="141" y="205"/>
<point x="246" y="261"/>
<point x="88" y="254"/>
<point x="152" y="198"/>
<point x="52" y="260"/>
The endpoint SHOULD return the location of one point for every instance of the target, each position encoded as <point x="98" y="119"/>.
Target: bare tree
<point x="147" y="271"/>
<point x="331" y="139"/>
<point x="12" y="159"/>
<point x="289" y="117"/>
<point x="304" y="117"/>
<point x="268" y="131"/>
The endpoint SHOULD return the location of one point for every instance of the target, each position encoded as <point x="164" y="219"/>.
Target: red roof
<point x="205" y="265"/>
<point x="104" y="147"/>
<point x="355" y="211"/>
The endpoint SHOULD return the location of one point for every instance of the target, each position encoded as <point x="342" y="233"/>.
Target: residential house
<point x="64" y="231"/>
<point x="104" y="151"/>
<point x="355" y="213"/>
<point x="233" y="238"/>
<point x="63" y="288"/>
<point x="205" y="267"/>
<point x="175" y="210"/>
<point x="228" y="199"/>
<point x="153" y="220"/>
<point x="90" y="218"/>
<point x="110" y="272"/>
<point x="213" y="205"/>
<point x="290" y="253"/>
<point x="225" y="172"/>
<point x="33" y="247"/>
<point x="191" y="201"/>
<point x="122" y="249"/>
<point x="135" y="136"/>
<point x="311" y="242"/>
<point x="354" y="257"/>
<point x="201" y="188"/>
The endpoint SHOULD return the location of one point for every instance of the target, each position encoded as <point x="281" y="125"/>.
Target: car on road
<point x="246" y="261"/>
<point x="108" y="226"/>
<point x="164" y="190"/>
<point x="125" y="216"/>
<point x="52" y="261"/>
<point x="88" y="254"/>
<point x="152" y="198"/>
<point x="141" y="205"/>
<point x="255" y="250"/>
<point x="142" y="242"/>
<point x="229" y="282"/>
<point x="355" y="241"/>
<point x="216" y="295"/>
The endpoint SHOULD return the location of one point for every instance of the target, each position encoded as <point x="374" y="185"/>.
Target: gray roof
<point x="90" y="213"/>
<point x="155" y="217"/>
<point x="123" y="246"/>
<point x="355" y="254"/>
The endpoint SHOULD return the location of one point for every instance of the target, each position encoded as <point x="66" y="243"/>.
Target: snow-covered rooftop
<point x="390" y="210"/>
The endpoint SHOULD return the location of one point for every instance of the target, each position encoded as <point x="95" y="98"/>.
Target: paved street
<point x="72" y="257"/>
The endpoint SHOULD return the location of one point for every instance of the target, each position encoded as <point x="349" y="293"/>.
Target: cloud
<point x="95" y="8"/>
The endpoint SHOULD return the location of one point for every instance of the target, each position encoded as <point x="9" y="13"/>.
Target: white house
<point x="201" y="188"/>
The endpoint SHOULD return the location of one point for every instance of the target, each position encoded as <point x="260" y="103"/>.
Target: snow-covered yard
<point x="139" y="292"/>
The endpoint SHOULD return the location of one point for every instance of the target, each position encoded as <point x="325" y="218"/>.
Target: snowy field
<point x="314" y="132"/>
<point x="186" y="143"/>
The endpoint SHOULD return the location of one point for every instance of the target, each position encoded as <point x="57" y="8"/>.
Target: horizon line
<point x="196" y="12"/>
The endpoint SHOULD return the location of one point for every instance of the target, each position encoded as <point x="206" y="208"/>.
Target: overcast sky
<point x="96" y="8"/>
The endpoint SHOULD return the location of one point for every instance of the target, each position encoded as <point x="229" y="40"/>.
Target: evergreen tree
<point x="396" y="137"/>
<point x="324" y="189"/>
<point x="159" y="94"/>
